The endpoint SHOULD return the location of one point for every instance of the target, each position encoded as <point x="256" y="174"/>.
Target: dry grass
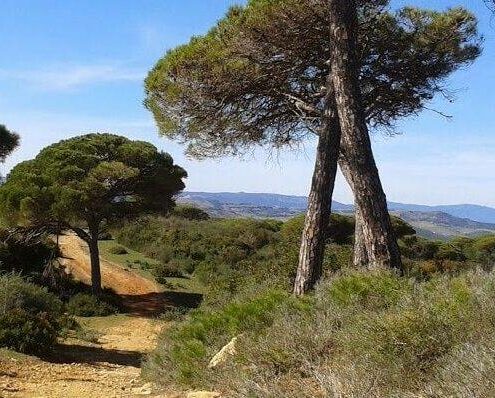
<point x="360" y="335"/>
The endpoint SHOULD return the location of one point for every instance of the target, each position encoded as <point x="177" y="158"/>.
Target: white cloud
<point x="61" y="78"/>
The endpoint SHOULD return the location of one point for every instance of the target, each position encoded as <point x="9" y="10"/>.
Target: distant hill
<point x="440" y="222"/>
<point x="268" y="200"/>
<point x="440" y="225"/>
<point x="473" y="212"/>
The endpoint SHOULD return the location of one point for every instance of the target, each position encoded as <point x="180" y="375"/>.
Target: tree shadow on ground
<point x="69" y="354"/>
<point x="153" y="304"/>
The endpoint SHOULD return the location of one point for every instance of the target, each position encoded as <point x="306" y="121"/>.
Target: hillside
<point x="440" y="225"/>
<point x="437" y="222"/>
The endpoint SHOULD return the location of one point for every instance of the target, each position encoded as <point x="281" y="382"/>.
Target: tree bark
<point x="313" y="241"/>
<point x="94" y="253"/>
<point x="360" y="258"/>
<point x="356" y="145"/>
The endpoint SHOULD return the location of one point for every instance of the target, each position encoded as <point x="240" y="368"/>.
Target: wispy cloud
<point x="60" y="78"/>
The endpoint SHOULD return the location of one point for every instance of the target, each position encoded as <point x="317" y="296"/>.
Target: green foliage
<point x="117" y="249"/>
<point x="24" y="255"/>
<point x="8" y="142"/>
<point x="230" y="257"/>
<point x="209" y="92"/>
<point x="83" y="304"/>
<point x="30" y="317"/>
<point x="369" y="290"/>
<point x="362" y="334"/>
<point x="171" y="269"/>
<point x="483" y="250"/>
<point x="190" y="212"/>
<point x="184" y="351"/>
<point x="28" y="333"/>
<point x="401" y="228"/>
<point x="91" y="178"/>
<point x="341" y="229"/>
<point x="417" y="248"/>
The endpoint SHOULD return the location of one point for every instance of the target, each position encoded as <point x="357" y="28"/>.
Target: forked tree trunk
<point x="94" y="253"/>
<point x="360" y="258"/>
<point x="356" y="145"/>
<point x="313" y="240"/>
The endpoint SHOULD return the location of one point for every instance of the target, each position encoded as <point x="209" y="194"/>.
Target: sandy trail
<point x="110" y="367"/>
<point x="122" y="281"/>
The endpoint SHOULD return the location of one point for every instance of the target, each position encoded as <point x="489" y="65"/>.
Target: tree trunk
<point x="360" y="258"/>
<point x="356" y="145"/>
<point x="313" y="240"/>
<point x="94" y="253"/>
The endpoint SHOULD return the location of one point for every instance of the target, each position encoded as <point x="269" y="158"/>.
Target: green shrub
<point x="184" y="351"/>
<point x="190" y="212"/>
<point x="418" y="248"/>
<point x="361" y="334"/>
<point x="83" y="304"/>
<point x="368" y="290"/>
<point x="118" y="249"/>
<point x="30" y="317"/>
<point x="171" y="269"/>
<point x="483" y="250"/>
<point x="25" y="255"/>
<point x="29" y="333"/>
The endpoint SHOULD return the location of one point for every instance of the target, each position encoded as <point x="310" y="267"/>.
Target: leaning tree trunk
<point x="360" y="258"/>
<point x="94" y="253"/>
<point x="313" y="240"/>
<point x="356" y="145"/>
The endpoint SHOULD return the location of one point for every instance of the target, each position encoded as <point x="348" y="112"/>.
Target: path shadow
<point x="153" y="304"/>
<point x="68" y="354"/>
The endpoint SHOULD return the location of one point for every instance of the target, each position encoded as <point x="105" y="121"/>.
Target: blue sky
<point x="77" y="66"/>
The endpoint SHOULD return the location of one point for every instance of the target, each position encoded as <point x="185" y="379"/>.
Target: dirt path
<point x="78" y="369"/>
<point x="120" y="280"/>
<point x="109" y="366"/>
<point x="140" y="296"/>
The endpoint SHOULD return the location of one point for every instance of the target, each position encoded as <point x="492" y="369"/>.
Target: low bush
<point x="184" y="351"/>
<point x="171" y="269"/>
<point x="118" y="249"/>
<point x="483" y="250"/>
<point x="190" y="212"/>
<point x="31" y="318"/>
<point x="84" y="304"/>
<point x="361" y="334"/>
<point x="26" y="255"/>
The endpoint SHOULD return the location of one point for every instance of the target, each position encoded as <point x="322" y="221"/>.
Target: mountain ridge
<point x="473" y="212"/>
<point x="441" y="222"/>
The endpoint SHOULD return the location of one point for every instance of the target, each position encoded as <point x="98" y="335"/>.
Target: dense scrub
<point x="85" y="304"/>
<point x="360" y="334"/>
<point x="231" y="257"/>
<point x="31" y="318"/>
<point x="25" y="255"/>
<point x="35" y="294"/>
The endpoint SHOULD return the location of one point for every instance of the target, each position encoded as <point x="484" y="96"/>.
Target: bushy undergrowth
<point x="460" y="253"/>
<point x="31" y="318"/>
<point x="184" y="351"/>
<point x="117" y="249"/>
<point x="360" y="335"/>
<point x="24" y="255"/>
<point x="190" y="212"/>
<point x="84" y="304"/>
<point x="231" y="257"/>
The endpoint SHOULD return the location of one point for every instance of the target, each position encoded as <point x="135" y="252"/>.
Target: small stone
<point x="203" y="394"/>
<point x="222" y="355"/>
